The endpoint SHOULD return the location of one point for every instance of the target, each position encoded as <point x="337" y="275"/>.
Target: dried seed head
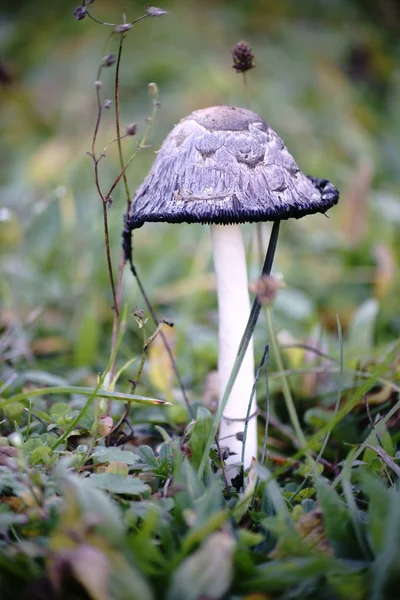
<point x="80" y="13"/>
<point x="138" y="315"/>
<point x="153" y="90"/>
<point x="243" y="57"/>
<point x="98" y="84"/>
<point x="131" y="129"/>
<point x="109" y="60"/>
<point x="153" y="11"/>
<point x="266" y="288"/>
<point x="107" y="104"/>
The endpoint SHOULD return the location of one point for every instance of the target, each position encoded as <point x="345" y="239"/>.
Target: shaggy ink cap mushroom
<point x="226" y="165"/>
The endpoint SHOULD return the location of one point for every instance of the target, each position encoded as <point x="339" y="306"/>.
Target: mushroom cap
<point x="226" y="165"/>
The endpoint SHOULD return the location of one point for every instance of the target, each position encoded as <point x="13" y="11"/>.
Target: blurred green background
<point x="327" y="80"/>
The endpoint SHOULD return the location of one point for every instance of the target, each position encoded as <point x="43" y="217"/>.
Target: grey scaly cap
<point x="226" y="165"/>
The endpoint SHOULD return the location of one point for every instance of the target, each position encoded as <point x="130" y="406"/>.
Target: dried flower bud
<point x="80" y="13"/>
<point x="123" y="27"/>
<point x="138" y="315"/>
<point x="131" y="129"/>
<point x="153" y="11"/>
<point x="107" y="104"/>
<point x="109" y="60"/>
<point x="104" y="425"/>
<point x="266" y="288"/>
<point x="153" y="90"/>
<point x="243" y="57"/>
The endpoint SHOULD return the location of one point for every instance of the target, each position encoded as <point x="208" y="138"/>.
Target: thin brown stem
<point x="117" y="122"/>
<point x="106" y="237"/>
<point x="141" y="145"/>
<point x="99" y="111"/>
<point x="246" y="90"/>
<point x="118" y="296"/>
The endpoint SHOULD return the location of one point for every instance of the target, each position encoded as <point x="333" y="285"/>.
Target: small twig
<point x="98" y="20"/>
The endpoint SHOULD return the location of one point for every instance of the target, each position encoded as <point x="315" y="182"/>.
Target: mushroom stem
<point x="234" y="311"/>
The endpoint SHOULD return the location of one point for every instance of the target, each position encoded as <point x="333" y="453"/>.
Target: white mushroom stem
<point x="234" y="310"/>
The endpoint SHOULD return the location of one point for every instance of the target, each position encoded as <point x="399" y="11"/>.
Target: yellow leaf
<point x="118" y="468"/>
<point x="160" y="368"/>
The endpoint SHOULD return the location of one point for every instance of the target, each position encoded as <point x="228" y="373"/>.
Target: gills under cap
<point x="226" y="165"/>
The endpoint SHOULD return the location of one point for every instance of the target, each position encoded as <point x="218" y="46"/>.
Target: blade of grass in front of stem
<point x="287" y="394"/>
<point x="267" y="407"/>
<point x="253" y="391"/>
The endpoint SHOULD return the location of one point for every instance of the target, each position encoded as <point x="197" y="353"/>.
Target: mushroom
<point x="226" y="166"/>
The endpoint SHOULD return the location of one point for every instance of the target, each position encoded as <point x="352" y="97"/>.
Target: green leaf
<point x="31" y="445"/>
<point x="317" y="417"/>
<point x="337" y="521"/>
<point x="379" y="502"/>
<point x="60" y="409"/>
<point x="147" y="457"/>
<point x="119" y="484"/>
<point x="13" y="411"/>
<point x="82" y="500"/>
<point x="200" y="434"/>
<point x="249" y="538"/>
<point x="107" y="455"/>
<point x="41" y="455"/>
<point x="288" y="573"/>
<point x="207" y="573"/>
<point x="82" y="391"/>
<point x="272" y="490"/>
<point x="87" y="341"/>
<point x="162" y="506"/>
<point x="384" y="535"/>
